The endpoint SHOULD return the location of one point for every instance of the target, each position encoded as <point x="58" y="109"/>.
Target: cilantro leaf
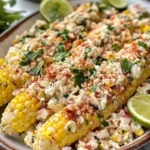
<point x="126" y="65"/>
<point x="99" y="60"/>
<point x="64" y="34"/>
<point x="38" y="70"/>
<point x="142" y="44"/>
<point x="87" y="50"/>
<point x="93" y="88"/>
<point x="60" y="54"/>
<point x="109" y="27"/>
<point x="30" y="56"/>
<point x="116" y="47"/>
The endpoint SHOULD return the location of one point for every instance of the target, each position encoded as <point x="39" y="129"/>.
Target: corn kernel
<point x="139" y="132"/>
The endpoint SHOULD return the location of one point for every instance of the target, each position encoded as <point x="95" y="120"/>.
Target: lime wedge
<point x="139" y="107"/>
<point x="55" y="9"/>
<point x="119" y="4"/>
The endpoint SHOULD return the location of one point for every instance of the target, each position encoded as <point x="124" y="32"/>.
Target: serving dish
<point x="13" y="142"/>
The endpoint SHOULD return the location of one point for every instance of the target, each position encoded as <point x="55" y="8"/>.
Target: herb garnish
<point x="109" y="27"/>
<point x="105" y="123"/>
<point x="79" y="77"/>
<point x="30" y="56"/>
<point x="126" y="65"/>
<point x="87" y="50"/>
<point x="60" y="54"/>
<point x="142" y="44"/>
<point x="64" y="34"/>
<point x="38" y="70"/>
<point x="93" y="88"/>
<point x="116" y="47"/>
<point x="99" y="60"/>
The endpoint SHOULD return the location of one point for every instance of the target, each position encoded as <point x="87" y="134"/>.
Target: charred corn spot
<point x="2" y="60"/>
<point x="24" y="107"/>
<point x="6" y="88"/>
<point x="139" y="132"/>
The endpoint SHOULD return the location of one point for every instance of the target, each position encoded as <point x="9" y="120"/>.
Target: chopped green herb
<point x="126" y="65"/>
<point x="83" y="23"/>
<point x="69" y="129"/>
<point x="60" y="54"/>
<point x="99" y="116"/>
<point x="93" y="88"/>
<point x="102" y="43"/>
<point x="99" y="60"/>
<point x="87" y="50"/>
<point x="144" y="15"/>
<point x="80" y="36"/>
<point x="38" y="70"/>
<point x="96" y="138"/>
<point x="33" y="139"/>
<point x="66" y="95"/>
<point x="123" y="131"/>
<point x="30" y="56"/>
<point x="44" y="27"/>
<point x="109" y="27"/>
<point x="86" y="122"/>
<point x="92" y="71"/>
<point x="142" y="44"/>
<point x="105" y="123"/>
<point x="95" y="107"/>
<point x="64" y="34"/>
<point x="116" y="47"/>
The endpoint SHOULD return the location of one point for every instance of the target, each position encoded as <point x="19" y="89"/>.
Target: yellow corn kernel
<point x="88" y="92"/>
<point x="146" y="29"/>
<point x="2" y="60"/>
<point x="115" y="138"/>
<point x="139" y="132"/>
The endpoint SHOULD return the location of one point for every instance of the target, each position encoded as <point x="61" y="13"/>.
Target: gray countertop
<point x="31" y="7"/>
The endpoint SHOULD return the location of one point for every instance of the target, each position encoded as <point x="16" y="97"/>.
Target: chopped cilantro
<point x="83" y="22"/>
<point x="64" y="34"/>
<point x="92" y="71"/>
<point x="79" y="77"/>
<point x="142" y="44"/>
<point x="99" y="60"/>
<point x="93" y="88"/>
<point x="86" y="122"/>
<point x="69" y="129"/>
<point x="99" y="116"/>
<point x="87" y="50"/>
<point x="60" y="54"/>
<point x="33" y="139"/>
<point x="66" y="95"/>
<point x="30" y="56"/>
<point x="116" y="47"/>
<point x="44" y="27"/>
<point x="38" y="70"/>
<point x="96" y="138"/>
<point x="105" y="123"/>
<point x="144" y="15"/>
<point x="109" y="27"/>
<point x="102" y="43"/>
<point x="126" y="65"/>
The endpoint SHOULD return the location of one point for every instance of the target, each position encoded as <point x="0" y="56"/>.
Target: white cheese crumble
<point x="71" y="126"/>
<point x="136" y="71"/>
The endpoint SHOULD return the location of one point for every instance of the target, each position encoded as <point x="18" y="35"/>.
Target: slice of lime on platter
<point x="119" y="4"/>
<point x="55" y="9"/>
<point x="139" y="107"/>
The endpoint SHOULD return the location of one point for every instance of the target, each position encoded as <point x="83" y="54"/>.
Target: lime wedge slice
<point x="139" y="107"/>
<point x="119" y="4"/>
<point x="55" y="9"/>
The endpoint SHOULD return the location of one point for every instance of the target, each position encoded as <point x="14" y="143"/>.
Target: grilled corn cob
<point x="78" y="21"/>
<point x="63" y="128"/>
<point x="7" y="125"/>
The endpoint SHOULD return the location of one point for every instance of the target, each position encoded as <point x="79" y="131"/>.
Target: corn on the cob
<point x="63" y="129"/>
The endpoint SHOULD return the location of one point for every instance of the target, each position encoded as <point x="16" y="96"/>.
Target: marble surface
<point x="30" y="7"/>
